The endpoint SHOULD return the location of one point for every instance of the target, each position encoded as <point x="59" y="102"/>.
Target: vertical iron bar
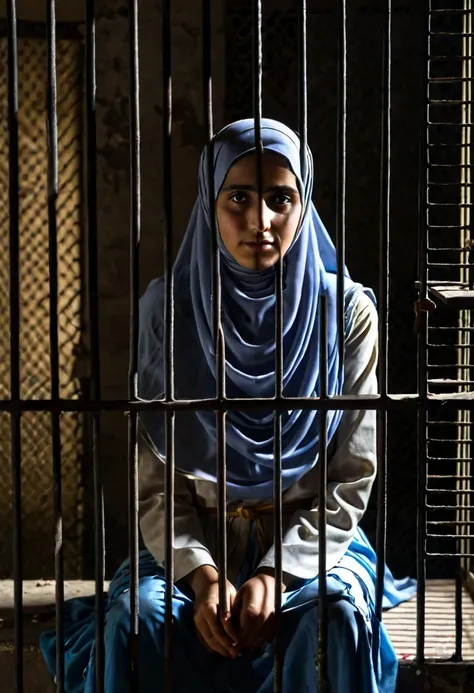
<point x="135" y="227"/>
<point x="458" y="612"/>
<point x="258" y="95"/>
<point x="219" y="343"/>
<point x="302" y="86"/>
<point x="14" y="289"/>
<point x="422" y="337"/>
<point x="277" y="451"/>
<point x="303" y="133"/>
<point x="167" y="97"/>
<point x="277" y="485"/>
<point x="323" y="466"/>
<point x="384" y="270"/>
<point x="341" y="174"/>
<point x="53" y="191"/>
<point x="93" y="309"/>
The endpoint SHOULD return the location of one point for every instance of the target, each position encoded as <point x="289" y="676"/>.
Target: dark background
<point x="364" y="83"/>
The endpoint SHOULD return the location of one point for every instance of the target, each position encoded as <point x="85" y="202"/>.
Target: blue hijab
<point x="248" y="321"/>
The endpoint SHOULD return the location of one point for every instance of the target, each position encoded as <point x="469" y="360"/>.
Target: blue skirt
<point x="360" y="655"/>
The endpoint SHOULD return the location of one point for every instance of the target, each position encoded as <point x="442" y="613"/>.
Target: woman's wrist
<point x="202" y="577"/>
<point x="271" y="573"/>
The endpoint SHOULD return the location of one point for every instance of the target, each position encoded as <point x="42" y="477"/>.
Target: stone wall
<point x="114" y="202"/>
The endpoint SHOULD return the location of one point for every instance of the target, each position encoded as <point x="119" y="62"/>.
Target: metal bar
<point x="460" y="265"/>
<point x="167" y="98"/>
<point x="277" y="451"/>
<point x="451" y="11"/>
<point x="219" y="343"/>
<point x="257" y="72"/>
<point x="135" y="229"/>
<point x="464" y="320"/>
<point x="303" y="133"/>
<point x="52" y="194"/>
<point x="341" y="173"/>
<point x="277" y="542"/>
<point x="442" y="422"/>
<point x="384" y="269"/>
<point x="277" y="480"/>
<point x="14" y="290"/>
<point x="302" y="85"/>
<point x="449" y="491"/>
<point x="450" y="536"/>
<point x="451" y="522"/>
<point x="450" y="102"/>
<point x="451" y="329"/>
<point x="422" y="339"/>
<point x="447" y="365"/>
<point x="442" y="507"/>
<point x="452" y="477"/>
<point x="458" y="614"/>
<point x="449" y="459"/>
<point x="444" y="345"/>
<point x="448" y="382"/>
<point x="450" y="555"/>
<point x="450" y="402"/>
<point x="462" y="34"/>
<point x="322" y="664"/>
<point x="93" y="310"/>
<point x="458" y="250"/>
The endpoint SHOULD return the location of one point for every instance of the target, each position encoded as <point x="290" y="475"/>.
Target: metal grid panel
<point x="449" y="475"/>
<point x="34" y="286"/>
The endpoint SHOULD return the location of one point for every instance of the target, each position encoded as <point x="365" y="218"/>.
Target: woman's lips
<point x="259" y="246"/>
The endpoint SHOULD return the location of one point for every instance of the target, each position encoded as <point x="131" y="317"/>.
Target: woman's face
<point x="253" y="233"/>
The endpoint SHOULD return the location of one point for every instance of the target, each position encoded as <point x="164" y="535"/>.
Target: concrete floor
<point x="400" y="622"/>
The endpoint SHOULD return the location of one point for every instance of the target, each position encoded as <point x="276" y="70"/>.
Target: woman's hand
<point x="213" y="624"/>
<point x="254" y="607"/>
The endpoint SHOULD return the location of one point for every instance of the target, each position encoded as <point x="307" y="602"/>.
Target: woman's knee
<point x="342" y="622"/>
<point x="341" y="611"/>
<point x="150" y="606"/>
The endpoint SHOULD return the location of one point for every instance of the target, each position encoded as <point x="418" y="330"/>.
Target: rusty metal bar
<point x="135" y="229"/>
<point x="422" y="336"/>
<point x="52" y="196"/>
<point x="384" y="278"/>
<point x="95" y="405"/>
<point x="322" y="656"/>
<point x="167" y="100"/>
<point x="219" y="343"/>
<point x="302" y="84"/>
<point x="341" y="174"/>
<point x="448" y="402"/>
<point x="14" y="289"/>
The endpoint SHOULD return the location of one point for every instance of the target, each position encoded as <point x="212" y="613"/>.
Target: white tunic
<point x="351" y="473"/>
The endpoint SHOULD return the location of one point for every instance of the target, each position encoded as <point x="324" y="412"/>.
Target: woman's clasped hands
<point x="248" y="620"/>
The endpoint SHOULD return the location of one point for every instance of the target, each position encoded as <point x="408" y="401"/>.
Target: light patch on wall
<point x="37" y="475"/>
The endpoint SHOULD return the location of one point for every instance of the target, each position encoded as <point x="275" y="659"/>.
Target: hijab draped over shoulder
<point x="248" y="321"/>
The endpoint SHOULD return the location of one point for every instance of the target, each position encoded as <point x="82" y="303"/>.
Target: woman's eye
<point x="237" y="197"/>
<point x="282" y="200"/>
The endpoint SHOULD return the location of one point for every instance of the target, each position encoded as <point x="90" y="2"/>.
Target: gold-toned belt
<point x="253" y="514"/>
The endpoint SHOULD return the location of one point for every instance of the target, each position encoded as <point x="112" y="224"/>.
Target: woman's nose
<point x="261" y="217"/>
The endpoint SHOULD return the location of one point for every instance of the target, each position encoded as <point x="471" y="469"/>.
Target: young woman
<point x="230" y="650"/>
